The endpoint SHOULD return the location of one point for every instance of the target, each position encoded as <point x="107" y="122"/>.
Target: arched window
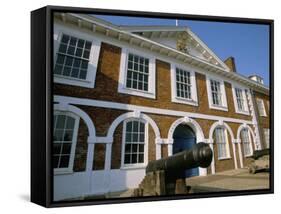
<point x="246" y="141"/>
<point x="134" y="142"/>
<point x="221" y="140"/>
<point x="65" y="131"/>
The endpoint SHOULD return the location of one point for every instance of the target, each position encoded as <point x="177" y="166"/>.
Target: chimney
<point x="256" y="78"/>
<point x="230" y="62"/>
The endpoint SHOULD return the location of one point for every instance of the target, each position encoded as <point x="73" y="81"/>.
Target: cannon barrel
<point x="200" y="155"/>
<point x="259" y="153"/>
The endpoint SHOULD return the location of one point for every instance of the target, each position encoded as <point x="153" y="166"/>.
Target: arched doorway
<point x="184" y="138"/>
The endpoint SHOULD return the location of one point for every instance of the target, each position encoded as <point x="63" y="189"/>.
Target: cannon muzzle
<point x="200" y="155"/>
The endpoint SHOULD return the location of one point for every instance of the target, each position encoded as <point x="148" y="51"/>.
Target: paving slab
<point x="228" y="181"/>
<point x="232" y="180"/>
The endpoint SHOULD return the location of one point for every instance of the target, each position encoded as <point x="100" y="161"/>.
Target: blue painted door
<point x="183" y="143"/>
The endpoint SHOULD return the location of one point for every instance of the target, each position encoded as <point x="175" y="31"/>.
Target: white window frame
<point x="262" y="114"/>
<point x="89" y="82"/>
<point x="69" y="169"/>
<point x="145" y="158"/>
<point x="226" y="144"/>
<point x="244" y="95"/>
<point x="250" y="143"/>
<point x="265" y="132"/>
<point x="224" y="106"/>
<point x="194" y="99"/>
<point x="123" y="75"/>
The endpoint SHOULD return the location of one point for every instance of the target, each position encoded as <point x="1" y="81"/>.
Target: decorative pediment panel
<point x="186" y="42"/>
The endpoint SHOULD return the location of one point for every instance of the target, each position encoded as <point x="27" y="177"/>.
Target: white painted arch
<point x="239" y="141"/>
<point x="137" y="115"/>
<point x="81" y="114"/>
<point x="91" y="130"/>
<point x="245" y="126"/>
<point x="221" y="123"/>
<point x="128" y="115"/>
<point x="190" y="122"/>
<point x="197" y="130"/>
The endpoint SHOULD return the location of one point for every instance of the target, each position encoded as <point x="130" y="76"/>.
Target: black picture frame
<point x="42" y="107"/>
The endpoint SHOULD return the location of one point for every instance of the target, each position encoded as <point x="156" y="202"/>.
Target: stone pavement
<point x="238" y="179"/>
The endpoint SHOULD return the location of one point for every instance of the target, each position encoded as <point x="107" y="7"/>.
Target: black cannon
<point x="200" y="155"/>
<point x="259" y="153"/>
<point x="166" y="176"/>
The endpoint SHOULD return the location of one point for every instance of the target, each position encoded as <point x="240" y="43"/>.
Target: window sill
<point x="248" y="156"/>
<point x="221" y="108"/>
<point x="224" y="158"/>
<point x="62" y="171"/>
<point x="132" y="167"/>
<point x="73" y="81"/>
<point x="134" y="92"/>
<point x="242" y="112"/>
<point x="184" y="101"/>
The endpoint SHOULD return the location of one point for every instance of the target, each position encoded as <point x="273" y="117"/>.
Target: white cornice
<point x="153" y="28"/>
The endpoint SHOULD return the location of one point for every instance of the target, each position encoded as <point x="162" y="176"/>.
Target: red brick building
<point x="124" y="96"/>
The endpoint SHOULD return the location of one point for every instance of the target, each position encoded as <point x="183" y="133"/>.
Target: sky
<point x="247" y="43"/>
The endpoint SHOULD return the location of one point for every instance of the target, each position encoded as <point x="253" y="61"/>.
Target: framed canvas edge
<point x="49" y="100"/>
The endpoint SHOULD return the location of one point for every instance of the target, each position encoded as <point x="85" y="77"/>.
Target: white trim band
<point x="130" y="107"/>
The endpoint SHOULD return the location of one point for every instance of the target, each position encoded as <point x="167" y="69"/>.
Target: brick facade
<point x="102" y="105"/>
<point x="102" y="124"/>
<point x="106" y="89"/>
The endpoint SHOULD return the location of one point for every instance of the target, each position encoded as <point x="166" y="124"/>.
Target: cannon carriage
<point x="166" y="176"/>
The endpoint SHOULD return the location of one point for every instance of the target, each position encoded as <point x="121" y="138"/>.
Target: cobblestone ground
<point x="228" y="181"/>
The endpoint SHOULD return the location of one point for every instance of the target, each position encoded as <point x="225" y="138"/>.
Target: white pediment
<point x="180" y="38"/>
